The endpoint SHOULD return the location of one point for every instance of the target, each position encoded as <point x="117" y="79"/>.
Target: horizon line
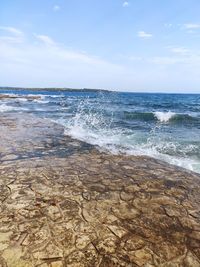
<point x="91" y="89"/>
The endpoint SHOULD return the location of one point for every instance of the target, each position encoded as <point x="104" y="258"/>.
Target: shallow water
<point x="164" y="126"/>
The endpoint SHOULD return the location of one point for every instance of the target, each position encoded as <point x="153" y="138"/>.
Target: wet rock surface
<point x="10" y="96"/>
<point x="63" y="203"/>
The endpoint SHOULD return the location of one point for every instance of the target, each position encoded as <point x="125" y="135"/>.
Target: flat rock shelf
<point x="64" y="203"/>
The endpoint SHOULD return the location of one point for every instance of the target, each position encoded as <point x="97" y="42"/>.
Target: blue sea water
<point x="163" y="126"/>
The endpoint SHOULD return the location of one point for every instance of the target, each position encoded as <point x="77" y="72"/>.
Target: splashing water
<point x="165" y="127"/>
<point x="7" y="108"/>
<point x="164" y="116"/>
<point x="90" y="124"/>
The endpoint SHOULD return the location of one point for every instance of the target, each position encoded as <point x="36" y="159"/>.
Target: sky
<point x="133" y="45"/>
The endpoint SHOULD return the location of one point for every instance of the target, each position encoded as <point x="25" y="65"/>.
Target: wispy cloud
<point x="11" y="34"/>
<point x="144" y="35"/>
<point x="56" y="8"/>
<point x="11" y="30"/>
<point x="126" y="4"/>
<point x="178" y="55"/>
<point x="50" y="63"/>
<point x="191" y="26"/>
<point x="45" y="39"/>
<point x="163" y="60"/>
<point x="46" y="62"/>
<point x="180" y="50"/>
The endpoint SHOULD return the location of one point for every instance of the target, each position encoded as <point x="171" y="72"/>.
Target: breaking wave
<point x="162" y="117"/>
<point x="7" y="108"/>
<point x="165" y="127"/>
<point x="90" y="124"/>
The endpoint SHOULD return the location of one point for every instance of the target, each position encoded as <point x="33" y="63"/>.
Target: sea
<point x="162" y="126"/>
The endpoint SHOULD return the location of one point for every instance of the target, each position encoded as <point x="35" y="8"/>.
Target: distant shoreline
<point x="88" y="90"/>
<point x="56" y="89"/>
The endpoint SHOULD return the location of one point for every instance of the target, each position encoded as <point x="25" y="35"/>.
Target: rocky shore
<point x="64" y="203"/>
<point x="27" y="97"/>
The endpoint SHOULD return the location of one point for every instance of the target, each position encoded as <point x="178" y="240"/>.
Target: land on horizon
<point x="68" y="89"/>
<point x="54" y="89"/>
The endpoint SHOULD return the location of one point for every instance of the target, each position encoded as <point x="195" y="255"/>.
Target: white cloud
<point x="11" y="34"/>
<point x="56" y="8"/>
<point x="165" y="60"/>
<point x="66" y="54"/>
<point x="181" y="55"/>
<point x="48" y="63"/>
<point x="45" y="39"/>
<point x="144" y="35"/>
<point x="44" y="62"/>
<point x="126" y="4"/>
<point x="179" y="50"/>
<point x="11" y="30"/>
<point x="191" y="26"/>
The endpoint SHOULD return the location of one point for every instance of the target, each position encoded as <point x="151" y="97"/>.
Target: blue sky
<point x="133" y="45"/>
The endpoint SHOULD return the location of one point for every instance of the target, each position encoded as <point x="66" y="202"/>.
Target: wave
<point x="90" y="124"/>
<point x="162" y="117"/>
<point x="120" y="141"/>
<point x="113" y="127"/>
<point x="40" y="101"/>
<point x="151" y="116"/>
<point x="6" y="108"/>
<point x="144" y="116"/>
<point x="56" y="96"/>
<point x="22" y="99"/>
<point x="162" y="151"/>
<point x="14" y="97"/>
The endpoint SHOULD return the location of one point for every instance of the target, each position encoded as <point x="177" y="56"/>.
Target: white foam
<point x="89" y="129"/>
<point x="164" y="116"/>
<point x="56" y="96"/>
<point x="6" y="108"/>
<point x="92" y="128"/>
<point x="21" y="99"/>
<point x="117" y="142"/>
<point x="89" y="124"/>
<point x="40" y="101"/>
<point x="157" y="151"/>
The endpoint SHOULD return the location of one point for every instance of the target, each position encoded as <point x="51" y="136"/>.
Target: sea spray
<point x="164" y="116"/>
<point x="89" y="123"/>
<point x="7" y="108"/>
<point x="166" y="127"/>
